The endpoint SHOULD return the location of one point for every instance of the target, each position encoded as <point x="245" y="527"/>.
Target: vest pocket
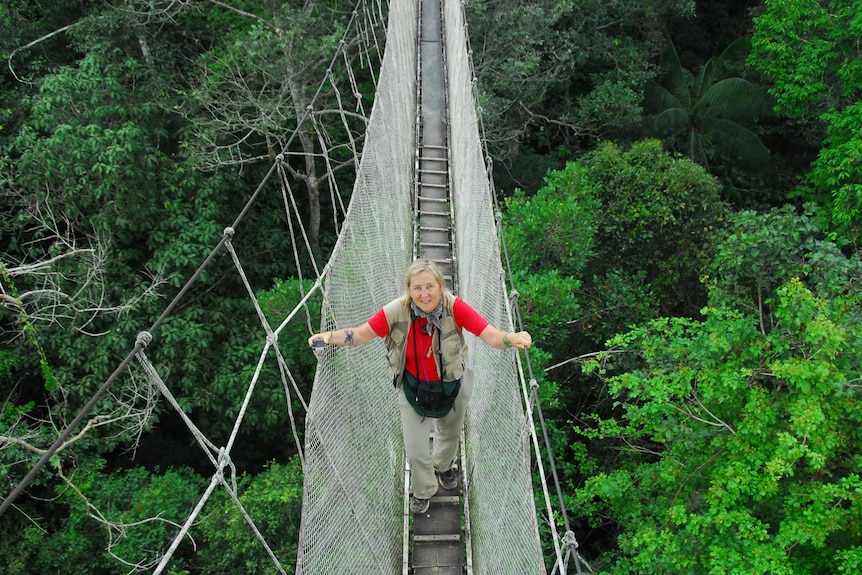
<point x="450" y="349"/>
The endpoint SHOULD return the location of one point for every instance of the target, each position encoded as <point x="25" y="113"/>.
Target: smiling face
<point x="425" y="291"/>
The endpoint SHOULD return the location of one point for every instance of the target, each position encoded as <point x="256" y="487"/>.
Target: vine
<point x="28" y="329"/>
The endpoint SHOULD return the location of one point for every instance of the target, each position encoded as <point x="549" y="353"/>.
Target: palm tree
<point x="705" y="115"/>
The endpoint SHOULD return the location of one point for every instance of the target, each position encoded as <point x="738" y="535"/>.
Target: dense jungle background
<point x="692" y="169"/>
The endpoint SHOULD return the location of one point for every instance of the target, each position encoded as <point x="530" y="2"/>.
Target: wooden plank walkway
<point x="436" y="545"/>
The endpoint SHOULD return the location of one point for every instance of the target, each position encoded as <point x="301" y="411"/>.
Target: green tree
<point x="107" y="521"/>
<point x="252" y="96"/>
<point x="102" y="155"/>
<point x="549" y="236"/>
<point x="606" y="244"/>
<point x="766" y="250"/>
<point x="632" y="225"/>
<point x="273" y="499"/>
<point x="739" y="435"/>
<point x="657" y="217"/>
<point x="810" y="53"/>
<point x="557" y="76"/>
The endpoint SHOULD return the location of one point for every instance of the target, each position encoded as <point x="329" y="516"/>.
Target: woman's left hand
<point x="520" y="340"/>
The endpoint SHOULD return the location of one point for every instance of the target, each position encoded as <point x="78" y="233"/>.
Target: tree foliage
<point x="635" y="217"/>
<point x="557" y="76"/>
<point x="125" y="519"/>
<point x="811" y="54"/>
<point x="97" y="164"/>
<point x="738" y="436"/>
<point x="657" y="216"/>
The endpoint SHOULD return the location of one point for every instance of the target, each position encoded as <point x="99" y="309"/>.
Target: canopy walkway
<point x="423" y="188"/>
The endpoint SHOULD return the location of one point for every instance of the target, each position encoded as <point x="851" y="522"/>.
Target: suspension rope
<point x="358" y="96"/>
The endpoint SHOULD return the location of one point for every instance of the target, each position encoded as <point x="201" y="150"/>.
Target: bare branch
<point x="134" y="405"/>
<point x="246" y="14"/>
<point x="575" y="129"/>
<point x="30" y="45"/>
<point x="715" y="421"/>
<point x="67" y="285"/>
<point x="118" y="531"/>
<point x="6" y="440"/>
<point x="38" y="266"/>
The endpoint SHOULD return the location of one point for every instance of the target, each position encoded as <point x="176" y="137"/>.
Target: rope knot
<point x="144" y="338"/>
<point x="514" y="295"/>
<point x="569" y="540"/>
<point x="229" y="232"/>
<point x="533" y="384"/>
<point x="223" y="459"/>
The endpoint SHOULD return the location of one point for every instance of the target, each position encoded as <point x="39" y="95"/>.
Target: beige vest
<point x="448" y="343"/>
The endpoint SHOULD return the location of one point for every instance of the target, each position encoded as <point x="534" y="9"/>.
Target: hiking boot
<point x="420" y="506"/>
<point x="448" y="479"/>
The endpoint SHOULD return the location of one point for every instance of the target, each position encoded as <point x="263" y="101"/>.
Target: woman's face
<point x="425" y="291"/>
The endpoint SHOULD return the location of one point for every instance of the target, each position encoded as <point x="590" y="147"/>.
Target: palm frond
<point x="729" y="63"/>
<point x="677" y="78"/>
<point x="739" y="144"/>
<point x="670" y="121"/>
<point x="735" y="99"/>
<point x="658" y="98"/>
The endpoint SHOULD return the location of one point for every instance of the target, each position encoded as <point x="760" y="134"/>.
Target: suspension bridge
<point x="423" y="188"/>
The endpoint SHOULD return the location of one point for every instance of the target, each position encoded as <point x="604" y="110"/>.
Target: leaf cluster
<point x="810" y="53"/>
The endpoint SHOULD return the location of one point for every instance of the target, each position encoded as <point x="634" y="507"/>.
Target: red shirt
<point x="465" y="317"/>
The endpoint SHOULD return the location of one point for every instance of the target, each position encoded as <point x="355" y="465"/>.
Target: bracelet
<point x="506" y="339"/>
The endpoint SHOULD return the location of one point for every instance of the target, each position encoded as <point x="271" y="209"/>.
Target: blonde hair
<point x="425" y="265"/>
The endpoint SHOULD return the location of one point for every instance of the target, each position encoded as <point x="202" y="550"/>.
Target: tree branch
<point x="30" y="45"/>
<point x="246" y="14"/>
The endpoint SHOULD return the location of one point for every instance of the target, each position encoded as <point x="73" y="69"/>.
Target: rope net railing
<point x="352" y="498"/>
<point x="505" y="536"/>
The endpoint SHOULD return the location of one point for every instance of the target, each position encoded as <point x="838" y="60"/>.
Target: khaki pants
<point x="427" y="456"/>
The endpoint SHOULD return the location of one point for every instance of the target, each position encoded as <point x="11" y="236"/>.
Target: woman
<point x="427" y="360"/>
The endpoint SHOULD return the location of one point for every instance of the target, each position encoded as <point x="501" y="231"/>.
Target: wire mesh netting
<point x="352" y="509"/>
<point x="505" y="536"/>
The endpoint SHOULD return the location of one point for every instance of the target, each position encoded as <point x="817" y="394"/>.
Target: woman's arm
<point x="347" y="336"/>
<point x="503" y="339"/>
